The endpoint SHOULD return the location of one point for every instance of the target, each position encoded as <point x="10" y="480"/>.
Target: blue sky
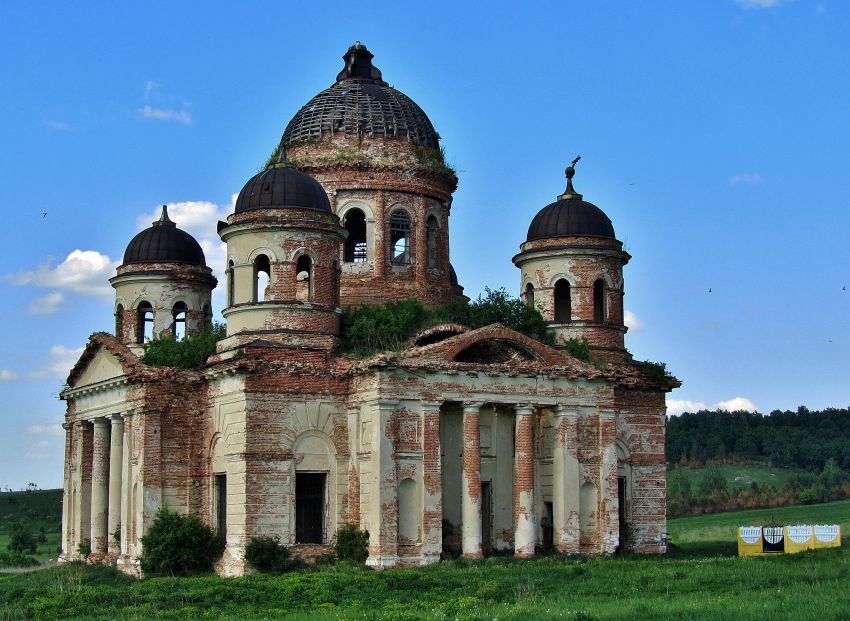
<point x="715" y="134"/>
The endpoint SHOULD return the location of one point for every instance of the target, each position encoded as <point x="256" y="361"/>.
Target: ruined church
<point x="466" y="441"/>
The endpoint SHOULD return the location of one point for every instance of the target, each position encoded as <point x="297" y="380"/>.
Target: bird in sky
<point x="709" y="289"/>
<point x="43" y="215"/>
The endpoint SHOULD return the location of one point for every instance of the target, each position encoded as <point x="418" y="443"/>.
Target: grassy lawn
<point x="701" y="579"/>
<point x="741" y="476"/>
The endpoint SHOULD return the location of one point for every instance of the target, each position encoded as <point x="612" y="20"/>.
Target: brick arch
<point x="498" y="332"/>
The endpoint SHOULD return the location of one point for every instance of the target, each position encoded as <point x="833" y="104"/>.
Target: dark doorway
<point x="486" y="516"/>
<point x="621" y="501"/>
<point x="310" y="507"/>
<point x="548" y="526"/>
<point x="221" y="503"/>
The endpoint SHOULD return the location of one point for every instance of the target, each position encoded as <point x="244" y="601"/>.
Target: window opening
<point x="144" y="314"/>
<point x="335" y="283"/>
<point x="262" y="278"/>
<point x="599" y="301"/>
<point x="178" y="327"/>
<point x="400" y="238"/>
<point x="119" y="321"/>
<point x="230" y="283"/>
<point x="355" y="243"/>
<point x="221" y="503"/>
<point x="304" y="279"/>
<point x="621" y="496"/>
<point x="529" y="295"/>
<point x="310" y="507"/>
<point x="431" y="241"/>
<point x="563" y="305"/>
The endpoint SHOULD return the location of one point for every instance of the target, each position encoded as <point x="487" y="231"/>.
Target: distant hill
<point x="36" y="510"/>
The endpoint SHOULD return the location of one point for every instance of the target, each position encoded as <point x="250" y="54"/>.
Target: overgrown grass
<point x="696" y="582"/>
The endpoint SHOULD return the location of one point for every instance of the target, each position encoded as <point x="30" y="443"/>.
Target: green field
<point x="738" y="476"/>
<point x="36" y="510"/>
<point x="700" y="579"/>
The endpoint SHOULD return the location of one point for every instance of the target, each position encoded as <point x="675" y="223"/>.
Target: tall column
<point x="610" y="505"/>
<point x="116" y="452"/>
<point x="100" y="486"/>
<point x="383" y="534"/>
<point x="382" y="255"/>
<point x="419" y="236"/>
<point x="565" y="481"/>
<point x="525" y="534"/>
<point x="126" y="484"/>
<point x="432" y="508"/>
<point x="67" y="486"/>
<point x="471" y="481"/>
<point x="82" y="483"/>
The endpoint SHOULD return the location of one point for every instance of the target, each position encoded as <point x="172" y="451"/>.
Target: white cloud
<point x="8" y="376"/>
<point x="48" y="427"/>
<point x="60" y="126"/>
<point x="679" y="406"/>
<point x="62" y="359"/>
<point x="38" y="451"/>
<point x="160" y="114"/>
<point x="737" y="403"/>
<point x="83" y="271"/>
<point x="47" y="304"/>
<point x="759" y="4"/>
<point x="632" y="322"/>
<point x="752" y="178"/>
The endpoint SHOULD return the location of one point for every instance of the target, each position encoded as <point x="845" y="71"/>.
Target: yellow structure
<point x="799" y="539"/>
<point x="827" y="536"/>
<point x="757" y="540"/>
<point x="749" y="541"/>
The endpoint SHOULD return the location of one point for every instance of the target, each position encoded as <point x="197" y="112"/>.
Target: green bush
<point x="578" y="348"/>
<point x="188" y="353"/>
<point x="266" y="554"/>
<point x="16" y="559"/>
<point x="177" y="544"/>
<point x="351" y="544"/>
<point x="21" y="540"/>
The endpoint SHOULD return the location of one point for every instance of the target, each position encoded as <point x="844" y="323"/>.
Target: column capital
<point x="101" y="421"/>
<point x="564" y="409"/>
<point x="472" y="406"/>
<point x="431" y="406"/>
<point x="81" y="424"/>
<point x="117" y="419"/>
<point x="607" y="414"/>
<point x="523" y="409"/>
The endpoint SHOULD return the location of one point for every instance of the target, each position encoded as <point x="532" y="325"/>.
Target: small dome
<point x="452" y="275"/>
<point x="281" y="186"/>
<point x="164" y="243"/>
<point x="361" y="103"/>
<point x="569" y="216"/>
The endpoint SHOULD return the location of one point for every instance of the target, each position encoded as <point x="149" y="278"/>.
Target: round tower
<point x="163" y="286"/>
<point x="572" y="271"/>
<point x="283" y="243"/>
<point x="378" y="156"/>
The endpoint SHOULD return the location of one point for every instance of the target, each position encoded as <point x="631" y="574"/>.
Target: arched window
<point x="431" y="240"/>
<point x="144" y="322"/>
<point x="599" y="300"/>
<point x="529" y="295"/>
<point x="119" y="321"/>
<point x="207" y="316"/>
<point x="178" y="326"/>
<point x="230" y="282"/>
<point x="355" y="243"/>
<point x="400" y="238"/>
<point x="262" y="278"/>
<point x="563" y="305"/>
<point x="304" y="279"/>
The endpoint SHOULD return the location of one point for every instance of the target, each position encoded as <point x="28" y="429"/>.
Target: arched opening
<point x="409" y="513"/>
<point x="144" y="322"/>
<point x="207" y="311"/>
<point x="496" y="351"/>
<point x="262" y="278"/>
<point x="563" y="305"/>
<point x="119" y="321"/>
<point x="355" y="243"/>
<point x="230" y="282"/>
<point x="314" y="476"/>
<point x="529" y="295"/>
<point x="304" y="279"/>
<point x="599" y="300"/>
<point x="431" y="241"/>
<point x="178" y="326"/>
<point x="624" y="487"/>
<point x="399" y="238"/>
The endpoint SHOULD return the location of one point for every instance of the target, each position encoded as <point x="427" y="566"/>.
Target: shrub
<point x="188" y="353"/>
<point x="578" y="348"/>
<point x="268" y="555"/>
<point x="16" y="559"/>
<point x="351" y="544"/>
<point x="84" y="548"/>
<point x="21" y="540"/>
<point x="177" y="544"/>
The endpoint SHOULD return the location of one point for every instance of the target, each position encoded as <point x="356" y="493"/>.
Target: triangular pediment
<point x="103" y="359"/>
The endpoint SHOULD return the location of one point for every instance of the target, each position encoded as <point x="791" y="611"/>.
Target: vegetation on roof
<point x="188" y="353"/>
<point x="370" y="329"/>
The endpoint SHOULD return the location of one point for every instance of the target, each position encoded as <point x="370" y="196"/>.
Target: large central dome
<point x="361" y="104"/>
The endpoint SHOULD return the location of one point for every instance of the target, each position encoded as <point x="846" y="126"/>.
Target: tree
<point x="21" y="540"/>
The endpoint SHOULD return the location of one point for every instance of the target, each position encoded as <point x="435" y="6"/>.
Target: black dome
<point x="164" y="243"/>
<point x="570" y="215"/>
<point x="452" y="275"/>
<point x="361" y="103"/>
<point x="282" y="187"/>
